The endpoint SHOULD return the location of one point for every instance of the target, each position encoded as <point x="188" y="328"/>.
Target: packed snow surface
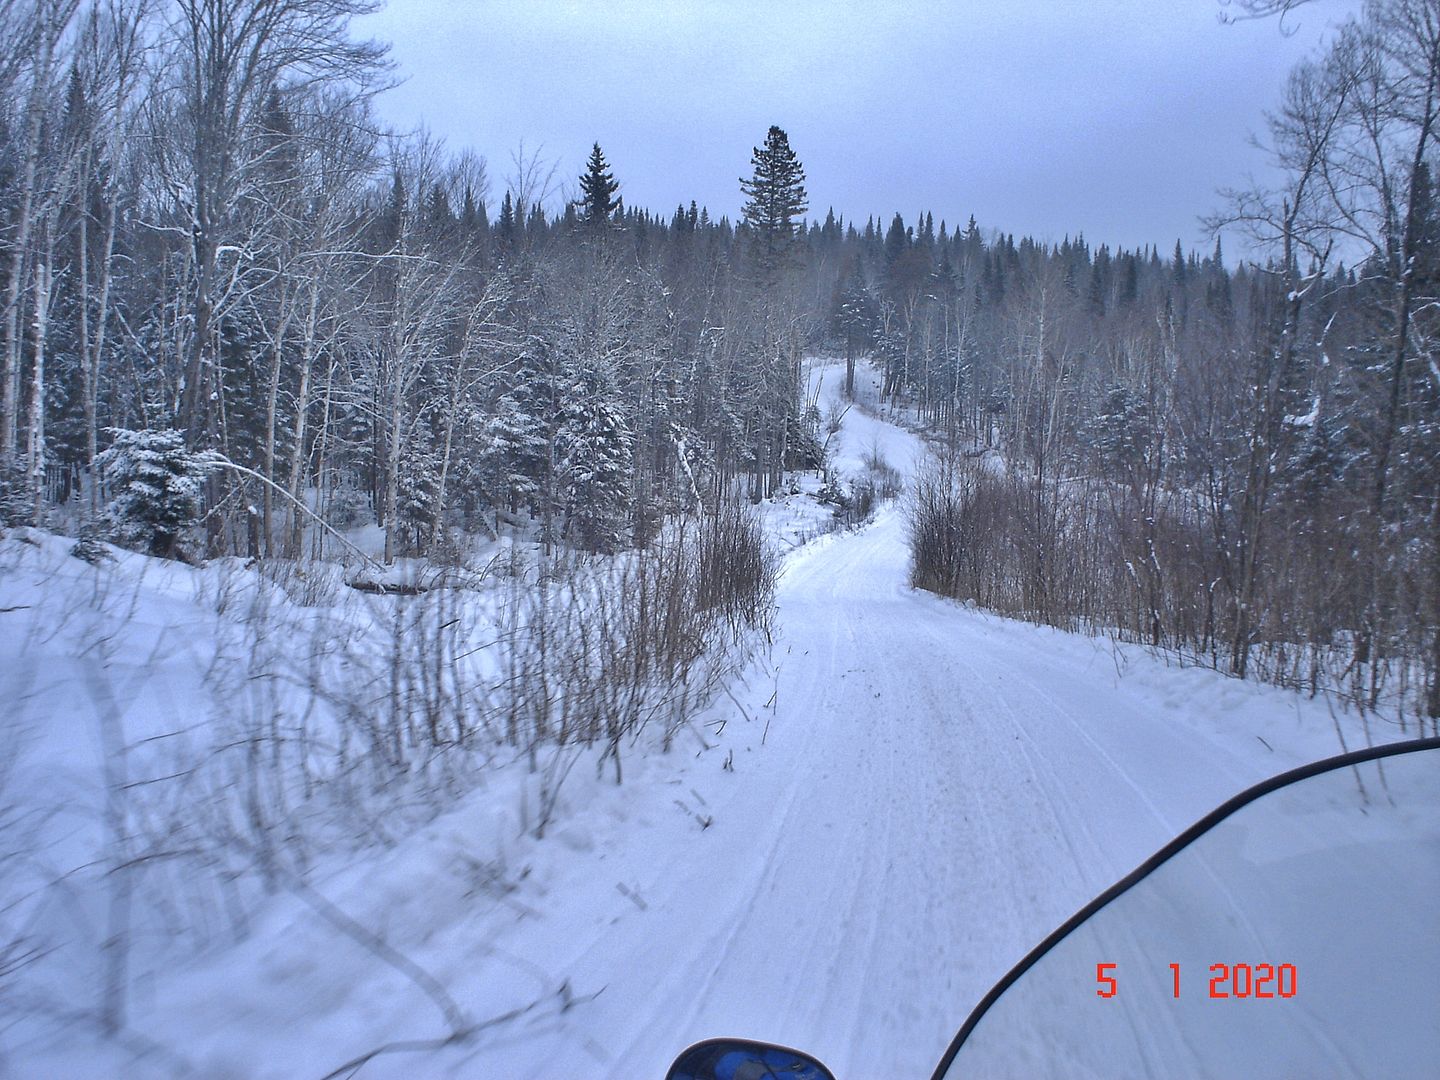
<point x="894" y="809"/>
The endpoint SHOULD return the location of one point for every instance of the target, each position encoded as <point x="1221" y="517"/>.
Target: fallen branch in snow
<point x="406" y="1046"/>
<point x="733" y="698"/>
<point x="461" y="1027"/>
<point x="409" y="588"/>
<point x="566" y="997"/>
<point x="430" y="985"/>
<point x="633" y="895"/>
<point x="220" y="459"/>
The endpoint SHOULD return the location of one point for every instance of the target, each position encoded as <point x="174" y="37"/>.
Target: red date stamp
<point x="1240" y="981"/>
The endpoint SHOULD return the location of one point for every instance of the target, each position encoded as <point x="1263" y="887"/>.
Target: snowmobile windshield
<point x="1290" y="933"/>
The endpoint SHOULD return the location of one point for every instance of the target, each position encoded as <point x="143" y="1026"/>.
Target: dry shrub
<point x="1145" y="564"/>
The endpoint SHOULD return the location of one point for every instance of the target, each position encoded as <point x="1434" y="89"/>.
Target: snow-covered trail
<point x="938" y="795"/>
<point x="939" y="788"/>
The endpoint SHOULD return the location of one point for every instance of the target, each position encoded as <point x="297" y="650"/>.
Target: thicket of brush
<point x="329" y="720"/>
<point x="1152" y="565"/>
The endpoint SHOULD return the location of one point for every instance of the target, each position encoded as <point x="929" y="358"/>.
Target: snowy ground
<point x="870" y="834"/>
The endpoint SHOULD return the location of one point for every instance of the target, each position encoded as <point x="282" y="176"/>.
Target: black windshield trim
<point x="1204" y="825"/>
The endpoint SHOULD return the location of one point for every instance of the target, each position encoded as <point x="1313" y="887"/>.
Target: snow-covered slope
<point x="867" y="837"/>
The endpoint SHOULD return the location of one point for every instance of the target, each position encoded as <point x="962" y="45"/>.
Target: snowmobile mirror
<point x="741" y="1059"/>
<point x="1290" y="933"/>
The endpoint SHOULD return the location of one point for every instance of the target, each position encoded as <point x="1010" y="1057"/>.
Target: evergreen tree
<point x="1424" y="237"/>
<point x="156" y="485"/>
<point x="854" y="320"/>
<point x="536" y="226"/>
<point x="595" y="447"/>
<point x="598" y="186"/>
<point x="897" y="241"/>
<point x="244" y="354"/>
<point x="506" y="226"/>
<point x="775" y="199"/>
<point x="1119" y="430"/>
<point x="470" y="213"/>
<point x="392" y="218"/>
<point x="418" y="494"/>
<point x="972" y="240"/>
<point x="515" y="445"/>
<point x="439" y="219"/>
<point x="1130" y="282"/>
<point x="1099" y="282"/>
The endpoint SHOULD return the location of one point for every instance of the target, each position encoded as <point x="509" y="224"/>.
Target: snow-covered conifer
<point x="155" y="485"/>
<point x="595" y="460"/>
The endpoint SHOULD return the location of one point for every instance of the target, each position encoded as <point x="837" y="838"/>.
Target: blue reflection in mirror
<point x="740" y="1059"/>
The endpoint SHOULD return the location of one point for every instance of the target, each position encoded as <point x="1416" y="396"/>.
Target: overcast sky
<point x="1115" y="118"/>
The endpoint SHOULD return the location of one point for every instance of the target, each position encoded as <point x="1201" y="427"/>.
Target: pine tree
<point x="854" y="320"/>
<point x="897" y="241"/>
<point x="469" y="213"/>
<point x="595" y="448"/>
<point x="418" y="494"/>
<point x="1119" y="430"/>
<point x="439" y="219"/>
<point x="1099" y="282"/>
<point x="1130" y="282"/>
<point x="973" y="241"/>
<point x="515" y="445"/>
<point x="506" y="225"/>
<point x="775" y="200"/>
<point x="156" y="485"/>
<point x="243" y="351"/>
<point x="392" y="218"/>
<point x="598" y="186"/>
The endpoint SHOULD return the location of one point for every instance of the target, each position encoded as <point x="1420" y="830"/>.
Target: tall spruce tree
<point x="506" y="227"/>
<point x="598" y="187"/>
<point x="775" y="199"/>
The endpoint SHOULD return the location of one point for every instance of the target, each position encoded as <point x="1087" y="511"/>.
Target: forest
<point x="241" y="318"/>
<point x="389" y="535"/>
